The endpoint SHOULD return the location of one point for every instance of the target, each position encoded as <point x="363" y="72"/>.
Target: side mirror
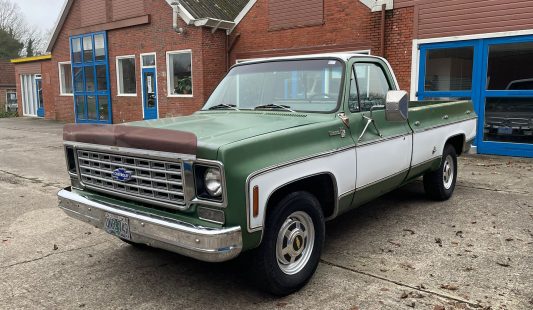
<point x="397" y="106"/>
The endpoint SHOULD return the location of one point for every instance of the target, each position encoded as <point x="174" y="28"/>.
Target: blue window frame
<point x="90" y="76"/>
<point x="478" y="90"/>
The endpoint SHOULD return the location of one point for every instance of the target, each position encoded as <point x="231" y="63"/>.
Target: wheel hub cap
<point x="448" y="172"/>
<point x="295" y="242"/>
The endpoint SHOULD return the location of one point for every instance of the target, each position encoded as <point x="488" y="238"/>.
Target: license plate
<point x="505" y="131"/>
<point x="117" y="225"/>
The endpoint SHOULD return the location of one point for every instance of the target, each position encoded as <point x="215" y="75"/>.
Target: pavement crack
<point x="493" y="189"/>
<point x="51" y="254"/>
<point x="33" y="180"/>
<point x="445" y="296"/>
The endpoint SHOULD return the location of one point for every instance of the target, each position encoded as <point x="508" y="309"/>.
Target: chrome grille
<point x="154" y="181"/>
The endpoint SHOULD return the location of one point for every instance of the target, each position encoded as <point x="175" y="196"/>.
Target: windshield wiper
<point x="273" y="106"/>
<point x="224" y="106"/>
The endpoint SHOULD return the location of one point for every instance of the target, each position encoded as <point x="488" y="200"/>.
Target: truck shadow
<point x="167" y="276"/>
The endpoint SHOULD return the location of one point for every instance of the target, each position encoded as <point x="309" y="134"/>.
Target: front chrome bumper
<point x="206" y="244"/>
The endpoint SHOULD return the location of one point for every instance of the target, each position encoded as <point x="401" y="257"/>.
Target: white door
<point x="29" y="95"/>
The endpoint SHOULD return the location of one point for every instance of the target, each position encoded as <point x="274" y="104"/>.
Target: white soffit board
<point x="375" y="5"/>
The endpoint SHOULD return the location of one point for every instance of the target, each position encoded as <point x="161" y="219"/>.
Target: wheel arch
<point x="322" y="185"/>
<point x="458" y="141"/>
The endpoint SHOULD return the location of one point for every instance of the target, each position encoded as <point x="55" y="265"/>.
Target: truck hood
<point x="215" y="129"/>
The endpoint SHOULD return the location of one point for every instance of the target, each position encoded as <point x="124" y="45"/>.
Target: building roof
<point x="7" y="74"/>
<point x="218" y="9"/>
<point x="218" y="14"/>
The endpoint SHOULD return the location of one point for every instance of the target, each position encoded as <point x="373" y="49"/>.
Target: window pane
<point x="91" y="107"/>
<point x="80" y="107"/>
<point x="99" y="47"/>
<point x="101" y="78"/>
<point x="148" y="60"/>
<point x="509" y="120"/>
<point x="89" y="78"/>
<point x="510" y="67"/>
<point x="87" y="49"/>
<point x="103" y="106"/>
<point x="449" y="69"/>
<point x="373" y="85"/>
<point x="180" y="74"/>
<point x="127" y="76"/>
<point x="76" y="50"/>
<point x="66" y="78"/>
<point x="78" y="79"/>
<point x="353" y="101"/>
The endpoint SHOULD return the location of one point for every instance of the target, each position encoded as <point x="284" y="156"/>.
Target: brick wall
<point x="348" y="26"/>
<point x="208" y="63"/>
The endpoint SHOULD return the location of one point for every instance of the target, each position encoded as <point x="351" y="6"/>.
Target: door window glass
<point x="353" y="101"/>
<point x="149" y="84"/>
<point x="373" y="85"/>
<point x="509" y="119"/>
<point x="449" y="69"/>
<point x="510" y="67"/>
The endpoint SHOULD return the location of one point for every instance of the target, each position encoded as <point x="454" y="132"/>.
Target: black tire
<point x="283" y="217"/>
<point x="436" y="185"/>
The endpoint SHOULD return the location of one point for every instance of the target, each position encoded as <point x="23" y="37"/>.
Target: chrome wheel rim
<point x="448" y="171"/>
<point x="295" y="243"/>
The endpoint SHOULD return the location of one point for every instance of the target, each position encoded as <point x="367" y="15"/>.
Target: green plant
<point x="184" y="86"/>
<point x="4" y="114"/>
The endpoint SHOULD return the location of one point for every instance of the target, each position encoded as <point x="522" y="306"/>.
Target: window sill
<point x="180" y="96"/>
<point x="66" y="95"/>
<point x="126" y="95"/>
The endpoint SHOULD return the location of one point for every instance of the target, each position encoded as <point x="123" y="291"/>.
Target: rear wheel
<point x="292" y="243"/>
<point x="440" y="184"/>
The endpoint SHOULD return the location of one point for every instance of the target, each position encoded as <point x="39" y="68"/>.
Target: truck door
<point x="383" y="148"/>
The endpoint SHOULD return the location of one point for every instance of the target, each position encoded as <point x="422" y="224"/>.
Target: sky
<point x="41" y="13"/>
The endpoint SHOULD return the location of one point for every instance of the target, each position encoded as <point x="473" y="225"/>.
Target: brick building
<point x="122" y="60"/>
<point x="8" y="94"/>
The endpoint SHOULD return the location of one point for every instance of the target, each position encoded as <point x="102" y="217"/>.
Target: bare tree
<point x="12" y="21"/>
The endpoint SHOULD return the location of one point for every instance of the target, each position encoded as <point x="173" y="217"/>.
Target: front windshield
<point x="301" y="85"/>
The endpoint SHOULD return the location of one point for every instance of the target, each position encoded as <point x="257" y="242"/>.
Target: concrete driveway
<point x="399" y="252"/>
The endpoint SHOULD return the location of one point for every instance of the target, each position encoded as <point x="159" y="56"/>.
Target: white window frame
<point x="169" y="93"/>
<point x="142" y="80"/>
<point x="119" y="94"/>
<point x="61" y="86"/>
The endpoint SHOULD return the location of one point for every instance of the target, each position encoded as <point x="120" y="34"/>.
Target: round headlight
<point x="213" y="182"/>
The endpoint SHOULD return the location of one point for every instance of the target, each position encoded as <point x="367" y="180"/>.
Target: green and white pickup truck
<point x="282" y="146"/>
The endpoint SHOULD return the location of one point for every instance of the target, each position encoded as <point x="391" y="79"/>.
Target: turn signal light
<point x="255" y="201"/>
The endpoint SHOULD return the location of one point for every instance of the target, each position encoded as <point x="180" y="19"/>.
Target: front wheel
<point x="292" y="244"/>
<point x="440" y="184"/>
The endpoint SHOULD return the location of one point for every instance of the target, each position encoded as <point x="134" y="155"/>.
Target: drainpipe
<point x="383" y="9"/>
<point x="175" y="17"/>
